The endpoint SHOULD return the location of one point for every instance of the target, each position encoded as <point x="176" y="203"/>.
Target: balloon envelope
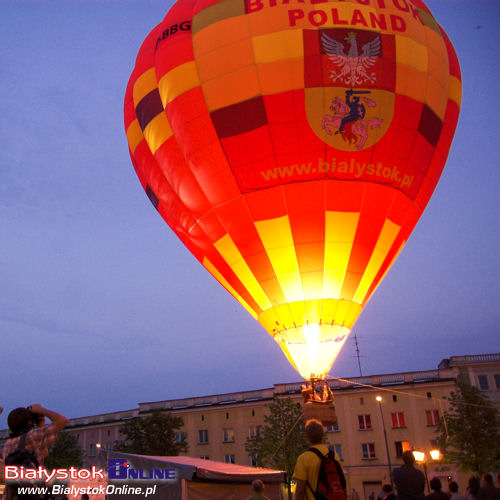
<point x="292" y="147"/>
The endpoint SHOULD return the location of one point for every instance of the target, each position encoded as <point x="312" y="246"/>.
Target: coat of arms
<point x="359" y="79"/>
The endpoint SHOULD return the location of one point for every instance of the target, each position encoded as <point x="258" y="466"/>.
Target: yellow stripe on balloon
<point x="134" y="135"/>
<point x="455" y="90"/>
<point x="218" y="276"/>
<point x="177" y="81"/>
<point x="340" y="229"/>
<point x="384" y="243"/>
<point x="411" y="53"/>
<point x="144" y="85"/>
<point x="235" y="260"/>
<point x="157" y="132"/>
<point x="278" y="46"/>
<point x="276" y="236"/>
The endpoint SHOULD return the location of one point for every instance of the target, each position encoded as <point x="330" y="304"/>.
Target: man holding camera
<point x="39" y="437"/>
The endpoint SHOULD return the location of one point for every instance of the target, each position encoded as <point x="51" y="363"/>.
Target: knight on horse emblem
<point x="351" y="67"/>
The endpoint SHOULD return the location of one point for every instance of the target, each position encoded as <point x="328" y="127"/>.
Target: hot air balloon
<point x="292" y="147"/>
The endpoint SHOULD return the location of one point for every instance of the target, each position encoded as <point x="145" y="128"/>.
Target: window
<point x="205" y="457"/>
<point x="227" y="416"/>
<point x="229" y="459"/>
<point x="92" y="450"/>
<point x="228" y="436"/>
<point x="334" y="427"/>
<point x="253" y="459"/>
<point x="398" y="419"/>
<point x="203" y="436"/>
<point x="364" y="422"/>
<point x="395" y="398"/>
<point x="497" y="380"/>
<point x="361" y="401"/>
<point x="368" y="450"/>
<point x="179" y="437"/>
<point x="338" y="450"/>
<point x="253" y="432"/>
<point x="401" y="447"/>
<point x="432" y="417"/>
<point x="483" y="382"/>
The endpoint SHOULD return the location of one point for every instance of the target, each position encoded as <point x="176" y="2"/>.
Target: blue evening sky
<point x="101" y="307"/>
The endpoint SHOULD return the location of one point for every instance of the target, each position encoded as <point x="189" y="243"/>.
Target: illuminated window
<point x="432" y="417"/>
<point x="401" y="447"/>
<point x="398" y="419"/>
<point x="228" y="435"/>
<point x="368" y="450"/>
<point x="364" y="422"/>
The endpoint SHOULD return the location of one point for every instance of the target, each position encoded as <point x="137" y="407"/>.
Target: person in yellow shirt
<point x="308" y="463"/>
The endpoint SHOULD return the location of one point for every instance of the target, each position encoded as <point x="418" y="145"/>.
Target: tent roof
<point x="209" y="470"/>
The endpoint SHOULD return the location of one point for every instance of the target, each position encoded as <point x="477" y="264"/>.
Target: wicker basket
<point x="319" y="410"/>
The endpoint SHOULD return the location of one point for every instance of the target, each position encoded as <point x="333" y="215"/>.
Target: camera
<point x="36" y="418"/>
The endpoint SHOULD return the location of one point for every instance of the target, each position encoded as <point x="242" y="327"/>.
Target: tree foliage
<point x="469" y="433"/>
<point x="65" y="453"/>
<point x="282" y="439"/>
<point x="153" y="435"/>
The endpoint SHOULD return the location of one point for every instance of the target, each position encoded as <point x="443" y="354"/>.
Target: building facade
<point x="379" y="417"/>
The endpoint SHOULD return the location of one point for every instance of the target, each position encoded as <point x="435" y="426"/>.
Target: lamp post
<point x="420" y="457"/>
<point x="379" y="399"/>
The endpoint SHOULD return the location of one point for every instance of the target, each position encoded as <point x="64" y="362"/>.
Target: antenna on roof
<point x="358" y="354"/>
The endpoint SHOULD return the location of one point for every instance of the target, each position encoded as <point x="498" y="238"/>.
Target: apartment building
<point x="379" y="416"/>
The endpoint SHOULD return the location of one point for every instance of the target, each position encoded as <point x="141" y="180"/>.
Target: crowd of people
<point x="410" y="483"/>
<point x="29" y="433"/>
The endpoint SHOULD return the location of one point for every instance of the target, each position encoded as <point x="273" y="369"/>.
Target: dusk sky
<point x="102" y="307"/>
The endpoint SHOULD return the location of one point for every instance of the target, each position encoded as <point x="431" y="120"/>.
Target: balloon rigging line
<point x="286" y="437"/>
<point x="378" y="388"/>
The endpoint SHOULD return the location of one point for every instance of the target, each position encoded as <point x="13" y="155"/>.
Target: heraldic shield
<point x="349" y="80"/>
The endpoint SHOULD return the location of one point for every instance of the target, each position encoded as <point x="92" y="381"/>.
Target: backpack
<point x="21" y="456"/>
<point x="331" y="479"/>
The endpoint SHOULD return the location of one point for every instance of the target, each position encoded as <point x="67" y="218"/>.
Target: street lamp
<point x="379" y="399"/>
<point x="420" y="457"/>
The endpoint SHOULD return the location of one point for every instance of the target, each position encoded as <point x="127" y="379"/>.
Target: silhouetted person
<point x="473" y="488"/>
<point x="388" y="492"/>
<point x="454" y="494"/>
<point x="258" y="488"/>
<point x="409" y="481"/>
<point x="488" y="490"/>
<point x="437" y="493"/>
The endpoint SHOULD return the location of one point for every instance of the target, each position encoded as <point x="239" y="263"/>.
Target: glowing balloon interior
<point x="292" y="147"/>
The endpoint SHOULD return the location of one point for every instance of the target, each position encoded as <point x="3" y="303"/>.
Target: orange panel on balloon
<point x="292" y="148"/>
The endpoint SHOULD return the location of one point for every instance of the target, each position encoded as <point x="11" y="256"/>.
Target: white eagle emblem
<point x="353" y="67"/>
